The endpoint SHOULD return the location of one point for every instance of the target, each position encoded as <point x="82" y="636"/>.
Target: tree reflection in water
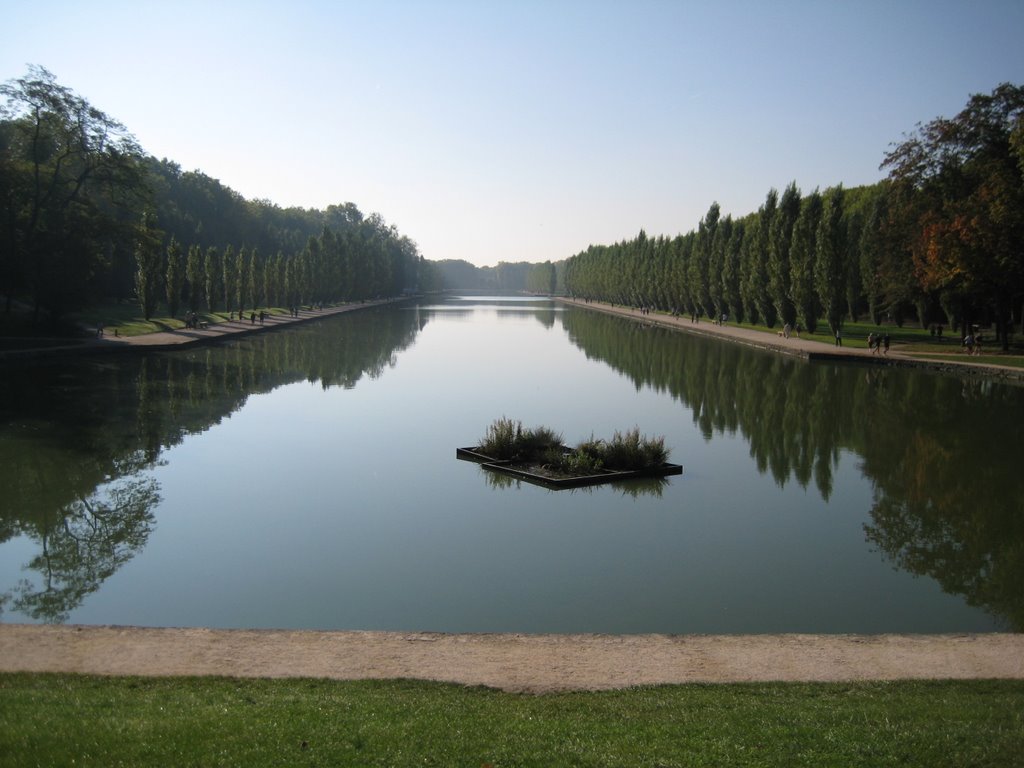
<point x="940" y="451"/>
<point x="83" y="544"/>
<point x="78" y="442"/>
<point x="79" y="439"/>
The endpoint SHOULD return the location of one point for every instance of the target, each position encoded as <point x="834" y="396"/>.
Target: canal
<point x="307" y="479"/>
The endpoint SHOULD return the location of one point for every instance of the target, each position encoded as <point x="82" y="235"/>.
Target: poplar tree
<point x="148" y="261"/>
<point x="194" y="277"/>
<point x="252" y="277"/>
<point x="758" y="276"/>
<point x="748" y="291"/>
<point x="717" y="265"/>
<point x="872" y="244"/>
<point x="802" y="258"/>
<point x="731" y="272"/>
<point x="230" y="278"/>
<point x="780" y="238"/>
<point x="241" y="283"/>
<point x="174" y="278"/>
<point x="830" y="266"/>
<point x="212" y="271"/>
<point x="700" y="258"/>
<point x="281" y="268"/>
<point x="270" y="281"/>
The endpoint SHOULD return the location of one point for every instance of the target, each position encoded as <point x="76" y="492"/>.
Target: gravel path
<point x="806" y="348"/>
<point x="526" y="663"/>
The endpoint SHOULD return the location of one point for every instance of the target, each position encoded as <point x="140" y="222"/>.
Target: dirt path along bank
<point x="512" y="662"/>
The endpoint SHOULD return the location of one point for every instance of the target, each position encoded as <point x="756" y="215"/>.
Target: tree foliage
<point x="71" y="186"/>
<point x="87" y="216"/>
<point x="945" y="229"/>
<point x="959" y="185"/>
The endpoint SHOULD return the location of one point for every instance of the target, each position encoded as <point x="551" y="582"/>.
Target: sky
<point x="494" y="130"/>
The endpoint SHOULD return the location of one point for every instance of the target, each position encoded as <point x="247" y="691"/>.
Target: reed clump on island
<point x="540" y="452"/>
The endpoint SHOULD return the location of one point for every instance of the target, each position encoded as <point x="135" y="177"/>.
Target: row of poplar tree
<point x="333" y="267"/>
<point x="941" y="240"/>
<point x="87" y="217"/>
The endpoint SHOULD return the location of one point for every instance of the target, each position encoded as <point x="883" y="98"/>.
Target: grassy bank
<point x="64" y="720"/>
<point x="127" y="319"/>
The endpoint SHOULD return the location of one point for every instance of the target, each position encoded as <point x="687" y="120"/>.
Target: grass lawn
<point x="97" y="721"/>
<point x="127" y="319"/>
<point x="911" y="339"/>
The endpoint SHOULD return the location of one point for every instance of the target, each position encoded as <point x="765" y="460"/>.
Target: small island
<point x="538" y="456"/>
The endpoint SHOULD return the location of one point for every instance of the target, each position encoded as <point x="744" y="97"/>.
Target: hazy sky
<point x="505" y="131"/>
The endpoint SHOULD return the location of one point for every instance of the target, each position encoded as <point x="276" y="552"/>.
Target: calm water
<point x="307" y="479"/>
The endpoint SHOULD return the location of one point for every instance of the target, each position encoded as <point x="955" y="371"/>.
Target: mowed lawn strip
<point x="50" y="719"/>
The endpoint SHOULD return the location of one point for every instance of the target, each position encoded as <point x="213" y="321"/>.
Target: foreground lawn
<point x="64" y="720"/>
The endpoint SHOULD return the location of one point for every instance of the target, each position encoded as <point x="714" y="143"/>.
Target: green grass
<point x="910" y="339"/>
<point x="94" y="721"/>
<point x="127" y="319"/>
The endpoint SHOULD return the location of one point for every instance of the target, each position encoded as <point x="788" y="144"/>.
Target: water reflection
<point x="939" y="451"/>
<point x="80" y="445"/>
<point x="641" y="486"/>
<point x="78" y="440"/>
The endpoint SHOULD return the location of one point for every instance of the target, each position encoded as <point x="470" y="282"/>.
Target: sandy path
<point x="805" y="347"/>
<point x="532" y="663"/>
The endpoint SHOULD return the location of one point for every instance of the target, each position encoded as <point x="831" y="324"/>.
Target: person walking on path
<point x="885" y="343"/>
<point x="839" y="338"/>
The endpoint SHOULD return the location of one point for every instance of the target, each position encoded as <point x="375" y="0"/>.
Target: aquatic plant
<point x="634" y="451"/>
<point x="506" y="439"/>
<point x="500" y="440"/>
<point x="576" y="462"/>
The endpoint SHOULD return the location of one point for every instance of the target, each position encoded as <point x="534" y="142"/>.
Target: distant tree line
<point x="462" y="275"/>
<point x="940" y="240"/>
<point x="86" y="216"/>
<point x="521" y="276"/>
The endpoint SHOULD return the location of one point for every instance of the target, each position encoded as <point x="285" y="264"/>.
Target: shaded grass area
<point x="855" y="334"/>
<point x="60" y="720"/>
<point x="127" y="319"/>
<point x="910" y="339"/>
